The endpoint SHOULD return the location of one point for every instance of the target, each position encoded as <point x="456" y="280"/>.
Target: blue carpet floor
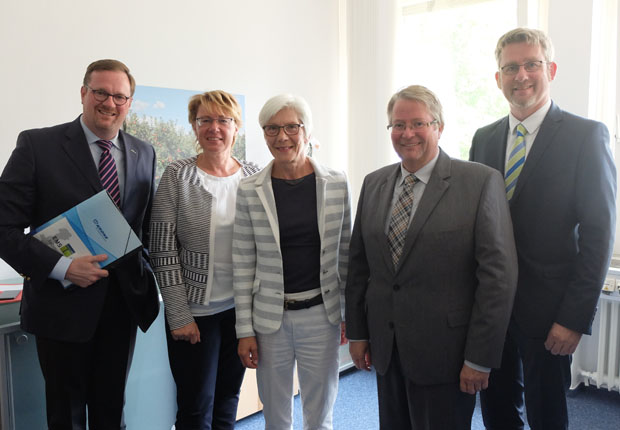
<point x="356" y="407"/>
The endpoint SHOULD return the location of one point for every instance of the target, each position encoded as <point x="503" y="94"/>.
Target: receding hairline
<point x="530" y="36"/>
<point x="419" y="94"/>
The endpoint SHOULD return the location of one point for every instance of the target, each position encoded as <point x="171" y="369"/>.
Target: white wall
<point x="570" y="29"/>
<point x="615" y="133"/>
<point x="255" y="48"/>
<point x="616" y="130"/>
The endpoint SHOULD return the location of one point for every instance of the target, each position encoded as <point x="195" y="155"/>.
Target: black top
<point x="300" y="242"/>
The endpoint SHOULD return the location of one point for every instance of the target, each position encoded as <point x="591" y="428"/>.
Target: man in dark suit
<point x="432" y="274"/>
<point x="563" y="213"/>
<point x="85" y="331"/>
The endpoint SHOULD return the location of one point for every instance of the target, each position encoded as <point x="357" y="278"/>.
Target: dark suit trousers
<point x="527" y="368"/>
<point x="404" y="405"/>
<point x="208" y="374"/>
<point x="90" y="374"/>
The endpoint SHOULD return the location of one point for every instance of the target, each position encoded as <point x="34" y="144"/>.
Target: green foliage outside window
<point x="171" y="142"/>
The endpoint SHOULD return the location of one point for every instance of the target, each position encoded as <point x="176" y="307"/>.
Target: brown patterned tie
<point x="399" y="223"/>
<point x="108" y="173"/>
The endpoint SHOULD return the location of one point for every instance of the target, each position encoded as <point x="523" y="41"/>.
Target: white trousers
<point x="308" y="338"/>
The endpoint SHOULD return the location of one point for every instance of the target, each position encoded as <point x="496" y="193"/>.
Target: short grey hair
<point x="528" y="35"/>
<point x="282" y="101"/>
<point x="420" y="94"/>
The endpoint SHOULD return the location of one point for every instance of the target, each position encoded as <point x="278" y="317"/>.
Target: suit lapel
<point x="384" y="205"/>
<point x="434" y="191"/>
<point x="544" y="138"/>
<point x="497" y="144"/>
<point x="264" y="191"/>
<point x="131" y="164"/>
<point x="78" y="151"/>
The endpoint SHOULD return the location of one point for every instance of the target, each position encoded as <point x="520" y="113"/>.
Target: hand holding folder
<point x="85" y="271"/>
<point x="94" y="233"/>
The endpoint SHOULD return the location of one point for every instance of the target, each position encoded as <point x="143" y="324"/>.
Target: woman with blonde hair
<point x="191" y="253"/>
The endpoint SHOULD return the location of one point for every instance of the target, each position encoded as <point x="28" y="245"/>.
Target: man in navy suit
<point x="563" y="213"/>
<point x="85" y="332"/>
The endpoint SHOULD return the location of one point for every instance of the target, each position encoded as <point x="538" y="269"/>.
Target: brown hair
<point x="111" y="65"/>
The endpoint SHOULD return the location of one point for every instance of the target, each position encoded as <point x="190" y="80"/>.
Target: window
<point x="449" y="47"/>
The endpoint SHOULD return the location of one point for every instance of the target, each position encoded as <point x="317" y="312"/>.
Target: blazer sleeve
<point x="496" y="275"/>
<point x="343" y="248"/>
<point x="472" y="148"/>
<point x="18" y="204"/>
<point x="244" y="265"/>
<point x="357" y="279"/>
<point x="595" y="200"/>
<point x="164" y="249"/>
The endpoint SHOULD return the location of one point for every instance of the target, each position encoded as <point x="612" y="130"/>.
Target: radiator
<point x="597" y="359"/>
<point x="608" y="362"/>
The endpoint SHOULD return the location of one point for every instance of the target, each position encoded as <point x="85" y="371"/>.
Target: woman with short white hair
<point x="290" y="255"/>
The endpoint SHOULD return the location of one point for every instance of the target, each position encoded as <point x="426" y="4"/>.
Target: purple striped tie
<point x="107" y="172"/>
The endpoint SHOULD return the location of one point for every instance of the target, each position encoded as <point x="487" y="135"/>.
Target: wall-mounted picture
<point x="159" y="116"/>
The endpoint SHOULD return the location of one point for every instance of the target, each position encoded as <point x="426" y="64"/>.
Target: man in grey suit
<point x="432" y="274"/>
<point x="561" y="185"/>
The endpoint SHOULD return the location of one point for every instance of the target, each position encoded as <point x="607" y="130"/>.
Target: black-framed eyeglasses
<point x="289" y="129"/>
<point x="206" y="121"/>
<point x="400" y="127"/>
<point x="530" y="66"/>
<point x="101" y="96"/>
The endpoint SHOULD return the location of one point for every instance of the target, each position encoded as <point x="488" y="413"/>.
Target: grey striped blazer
<point x="257" y="260"/>
<point x="182" y="239"/>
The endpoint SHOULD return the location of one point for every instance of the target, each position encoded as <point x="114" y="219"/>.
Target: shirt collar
<point x="423" y="173"/>
<point x="92" y="137"/>
<point x="531" y="123"/>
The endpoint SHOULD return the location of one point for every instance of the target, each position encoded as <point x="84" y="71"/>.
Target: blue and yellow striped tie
<point x="515" y="161"/>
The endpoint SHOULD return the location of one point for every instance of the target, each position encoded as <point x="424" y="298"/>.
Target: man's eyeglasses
<point x="530" y="66"/>
<point x="208" y="121"/>
<point x="289" y="129"/>
<point x="102" y="96"/>
<point x="400" y="127"/>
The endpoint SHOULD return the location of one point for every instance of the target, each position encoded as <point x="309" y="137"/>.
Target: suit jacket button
<point x="391" y="324"/>
<point x="396" y="287"/>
